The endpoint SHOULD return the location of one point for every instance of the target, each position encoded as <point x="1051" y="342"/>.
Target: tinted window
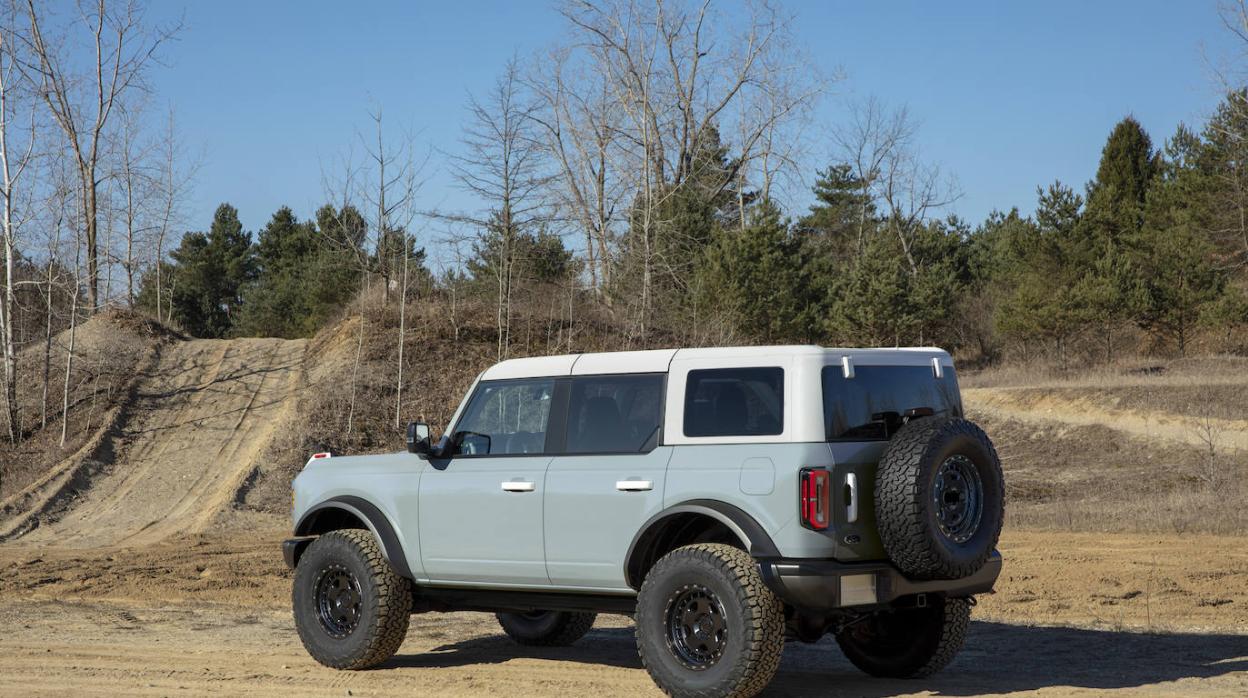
<point x="734" y="402"/>
<point x="506" y="418"/>
<point x="870" y="405"/>
<point x="614" y="414"/>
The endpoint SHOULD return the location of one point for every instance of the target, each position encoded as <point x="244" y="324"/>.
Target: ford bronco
<point x="727" y="499"/>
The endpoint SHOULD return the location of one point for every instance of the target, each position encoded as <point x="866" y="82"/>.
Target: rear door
<point x="607" y="480"/>
<point x="480" y="510"/>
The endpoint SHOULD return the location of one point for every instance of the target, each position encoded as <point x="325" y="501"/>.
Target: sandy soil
<point x="180" y="451"/>
<point x="91" y="648"/>
<point x="131" y="571"/>
<point x="1075" y="614"/>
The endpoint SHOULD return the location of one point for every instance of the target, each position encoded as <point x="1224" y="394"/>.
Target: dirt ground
<point x="1126" y="615"/>
<point x="131" y="569"/>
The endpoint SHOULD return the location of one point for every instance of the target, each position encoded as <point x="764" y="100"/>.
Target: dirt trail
<point x="190" y="438"/>
<point x="1028" y="404"/>
<point x="92" y="649"/>
<point x="1074" y="614"/>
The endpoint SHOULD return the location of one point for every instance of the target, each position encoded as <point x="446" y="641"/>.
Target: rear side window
<point x="735" y="402"/>
<point x="870" y="406"/>
<point x="614" y="414"/>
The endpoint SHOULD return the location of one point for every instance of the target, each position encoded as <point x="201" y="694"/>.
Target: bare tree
<point x="580" y="128"/>
<point x="868" y="142"/>
<point x="83" y="104"/>
<point x="12" y="166"/>
<point x="136" y="187"/>
<point x="171" y="183"/>
<point x="397" y="172"/>
<point x="679" y="80"/>
<point x="879" y="145"/>
<point x="502" y="165"/>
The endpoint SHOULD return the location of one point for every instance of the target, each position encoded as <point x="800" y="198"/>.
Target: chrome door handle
<point x="634" y="485"/>
<point x="515" y="486"/>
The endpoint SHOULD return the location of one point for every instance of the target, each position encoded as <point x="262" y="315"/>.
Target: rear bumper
<point x="826" y="585"/>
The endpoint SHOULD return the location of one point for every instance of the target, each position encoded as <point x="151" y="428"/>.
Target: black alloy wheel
<point x="338" y="600"/>
<point x="697" y="630"/>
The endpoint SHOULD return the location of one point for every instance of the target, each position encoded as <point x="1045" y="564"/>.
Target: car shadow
<point x="997" y="658"/>
<point x="1005" y="658"/>
<point x="603" y="646"/>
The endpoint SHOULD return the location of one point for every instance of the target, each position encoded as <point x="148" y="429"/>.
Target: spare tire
<point x="939" y="498"/>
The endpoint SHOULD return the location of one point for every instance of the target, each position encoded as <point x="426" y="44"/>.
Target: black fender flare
<point x="757" y="542"/>
<point x="376" y="521"/>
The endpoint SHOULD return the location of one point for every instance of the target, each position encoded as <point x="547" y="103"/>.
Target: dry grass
<point x="1134" y="372"/>
<point x="349" y="406"/>
<point x="1097" y="478"/>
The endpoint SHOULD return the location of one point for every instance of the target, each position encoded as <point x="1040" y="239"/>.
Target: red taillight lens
<point x="815" y="495"/>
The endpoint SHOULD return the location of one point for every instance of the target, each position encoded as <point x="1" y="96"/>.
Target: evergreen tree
<point x="280" y="302"/>
<point x="843" y="214"/>
<point x="1116" y="197"/>
<point x="756" y="277"/>
<point x="210" y="272"/>
<point x="1173" y="255"/>
<point x="1040" y="264"/>
<point x="1224" y="161"/>
<point x="1110" y="285"/>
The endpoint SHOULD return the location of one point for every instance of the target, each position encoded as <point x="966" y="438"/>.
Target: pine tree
<point x="1177" y="276"/>
<point x="1116" y="197"/>
<point x="756" y="277"/>
<point x="211" y="271"/>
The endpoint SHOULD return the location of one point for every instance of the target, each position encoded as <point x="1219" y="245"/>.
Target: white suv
<point x="726" y="498"/>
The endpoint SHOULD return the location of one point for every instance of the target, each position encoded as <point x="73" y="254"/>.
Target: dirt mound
<point x="181" y="450"/>
<point x="1082" y="408"/>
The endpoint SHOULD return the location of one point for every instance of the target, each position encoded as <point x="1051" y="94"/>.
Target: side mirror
<point x="418" y="438"/>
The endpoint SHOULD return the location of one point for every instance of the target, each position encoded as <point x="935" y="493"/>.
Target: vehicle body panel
<point x="572" y="531"/>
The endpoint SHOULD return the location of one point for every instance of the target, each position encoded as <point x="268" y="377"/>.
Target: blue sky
<point x="1009" y="95"/>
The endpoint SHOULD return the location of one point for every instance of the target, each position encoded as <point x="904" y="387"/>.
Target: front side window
<point x="735" y="402"/>
<point x="506" y="418"/>
<point x="871" y="405"/>
<point x="614" y="414"/>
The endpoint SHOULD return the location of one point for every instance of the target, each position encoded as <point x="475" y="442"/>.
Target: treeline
<point x="1150" y="251"/>
<point x="641" y="175"/>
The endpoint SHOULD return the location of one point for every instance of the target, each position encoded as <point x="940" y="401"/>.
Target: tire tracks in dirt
<point x="198" y="422"/>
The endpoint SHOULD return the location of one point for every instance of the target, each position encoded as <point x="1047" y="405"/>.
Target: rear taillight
<point x="815" y="498"/>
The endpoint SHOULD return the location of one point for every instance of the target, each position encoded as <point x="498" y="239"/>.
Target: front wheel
<point x="351" y="608"/>
<point x="706" y="624"/>
<point x="908" y="643"/>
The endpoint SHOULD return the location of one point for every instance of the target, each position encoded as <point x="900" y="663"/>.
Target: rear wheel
<point x="706" y="624"/>
<point x="546" y="628"/>
<point x="351" y="608"/>
<point x="908" y="643"/>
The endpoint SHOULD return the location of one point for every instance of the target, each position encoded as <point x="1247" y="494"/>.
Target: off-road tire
<point x="385" y="601"/>
<point x="752" y="615"/>
<point x="916" y="642"/>
<point x="905" y="511"/>
<point x="546" y="628"/>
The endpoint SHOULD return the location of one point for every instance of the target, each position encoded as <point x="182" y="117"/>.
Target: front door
<point x="480" y="510"/>
<point x="608" y="479"/>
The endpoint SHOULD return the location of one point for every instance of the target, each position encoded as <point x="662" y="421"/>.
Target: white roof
<point x="659" y="360"/>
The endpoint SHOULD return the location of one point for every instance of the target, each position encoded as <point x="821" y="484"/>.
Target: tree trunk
<point x="398" y="392"/>
<point x="90" y="218"/>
